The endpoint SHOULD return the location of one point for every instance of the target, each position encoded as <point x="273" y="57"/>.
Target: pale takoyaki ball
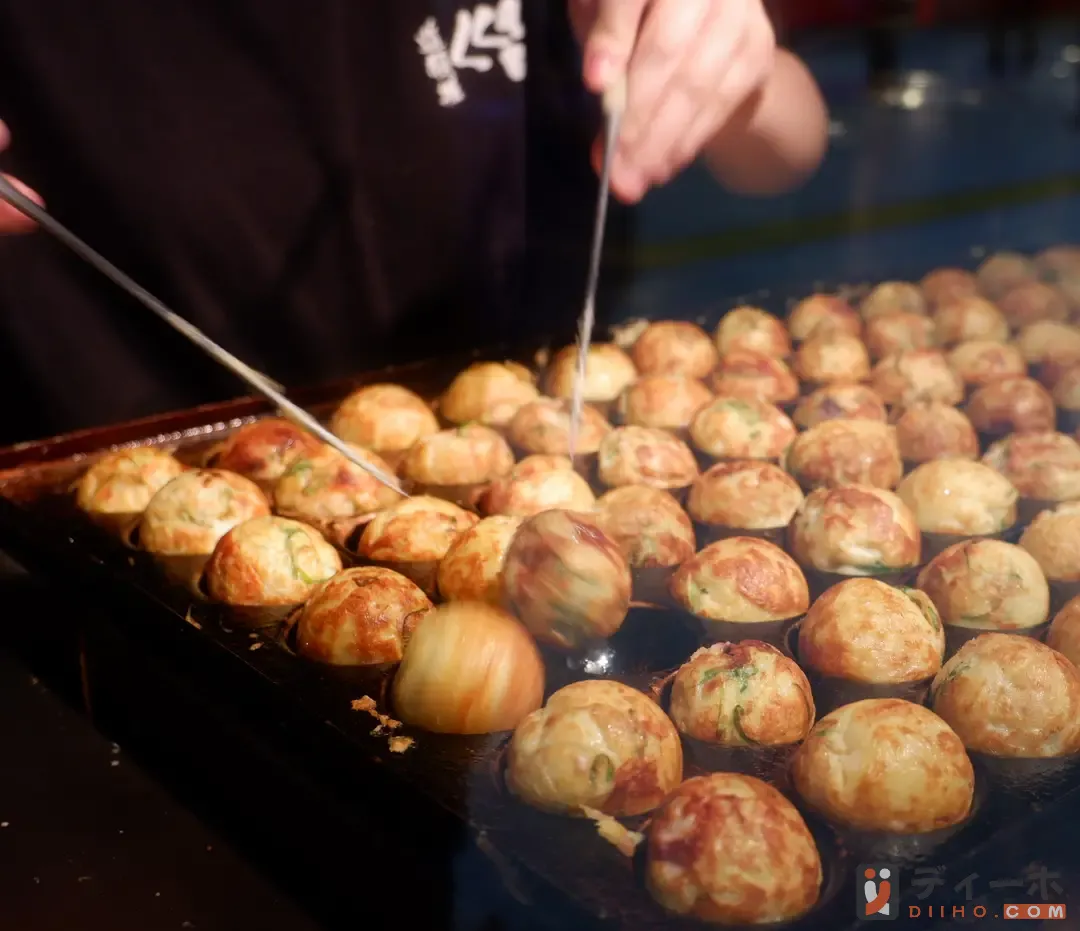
<point x="753" y="329"/>
<point x="1066" y="393"/>
<point x="1010" y="696"/>
<point x="1012" y="405"/>
<point x="595" y="744"/>
<point x="361" y="617"/>
<point x="538" y="483"/>
<point x="746" y="495"/>
<point x="832" y="357"/>
<point x="265" y="450"/>
<point x="823" y="313"/>
<point x="888" y="334"/>
<point x="608" y="371"/>
<point x="488" y="393"/>
<point x="645" y="456"/>
<point x="945" y="284"/>
<point x="959" y="496"/>
<point x="648" y="525"/>
<point x="892" y="297"/>
<point x="1053" y="538"/>
<point x="967" y="318"/>
<point x="188" y="515"/>
<point x="1031" y="302"/>
<point x="1044" y="466"/>
<point x="844" y="451"/>
<point x="839" y="402"/>
<point x="884" y="764"/>
<point x="468" y="455"/>
<point x="987" y="585"/>
<point x="729" y="849"/>
<point x="933" y="430"/>
<point x="1052" y="368"/>
<point x="269" y="561"/>
<point x="741" y="580"/>
<point x="1000" y="273"/>
<point x="325" y="487"/>
<point x="1062" y="261"/>
<point x="754" y="375"/>
<point x="472" y="568"/>
<point x="1064" y="632"/>
<point x="741" y="428"/>
<point x="566" y="579"/>
<point x="417" y="529"/>
<point x="855" y="530"/>
<point x="543" y="427"/>
<point x="742" y="694"/>
<point x="675" y="347"/>
<point x="866" y="631"/>
<point x="123" y="482"/>
<point x="1039" y="342"/>
<point x="385" y="418"/>
<point x="979" y="362"/>
<point x="665" y="402"/>
<point x="917" y="376"/>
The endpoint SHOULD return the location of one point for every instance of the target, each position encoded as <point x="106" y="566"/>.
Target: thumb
<point x="610" y="41"/>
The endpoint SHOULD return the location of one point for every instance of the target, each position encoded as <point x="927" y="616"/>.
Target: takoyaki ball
<point x="1066" y="393"/>
<point x="844" y="451"/>
<point x="884" y="764"/>
<point x="326" y="487"/>
<point x="608" y="371"/>
<point x="839" y="402"/>
<point x="1061" y="261"/>
<point x="1064" y="632"/>
<point x="472" y="568"/>
<point x="536" y="484"/>
<point x="741" y="580"/>
<point x="1043" y="466"/>
<point x="1031" y="302"/>
<point x="888" y="334"/>
<point x="986" y="584"/>
<point x="742" y="694"/>
<point x="645" y="456"/>
<point x="1012" y="405"/>
<point x="745" y="495"/>
<point x="1054" y="365"/>
<point x="945" y="284"/>
<point x="269" y="561"/>
<point x="729" y="849"/>
<point x="832" y="357"/>
<point x="752" y="329"/>
<point x="1010" y="696"/>
<point x="360" y="617"/>
<point x="823" y="313"/>
<point x="912" y="377"/>
<point x="488" y="393"/>
<point x="1047" y="339"/>
<point x="1000" y="273"/>
<point x="933" y="430"/>
<point x="468" y="455"/>
<point x="116" y="489"/>
<point x="543" y="427"/>
<point x="265" y="450"/>
<point x="666" y="402"/>
<point x="566" y="579"/>
<point x="741" y="428"/>
<point x="648" y="525"/>
<point x="1053" y="538"/>
<point x="387" y="419"/>
<point x="855" y="530"/>
<point x="967" y="318"/>
<point x="978" y="362"/>
<point x="958" y="496"/>
<point x="674" y="347"/>
<point x="596" y="744"/>
<point x="866" y="631"/>
<point x="746" y="374"/>
<point x="892" y="297"/>
<point x="190" y="513"/>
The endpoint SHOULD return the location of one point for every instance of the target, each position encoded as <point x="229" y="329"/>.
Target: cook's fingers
<point x="610" y="41"/>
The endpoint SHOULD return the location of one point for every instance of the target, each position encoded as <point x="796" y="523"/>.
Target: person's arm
<point x="11" y="220"/>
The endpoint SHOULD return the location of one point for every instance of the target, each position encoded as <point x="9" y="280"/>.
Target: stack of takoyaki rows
<point x="884" y="457"/>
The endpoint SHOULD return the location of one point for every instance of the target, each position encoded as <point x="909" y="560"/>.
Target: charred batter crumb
<point x="367" y="703"/>
<point x="256" y="646"/>
<point x="620" y="837"/>
<point x="194" y="623"/>
<point x="401" y="744"/>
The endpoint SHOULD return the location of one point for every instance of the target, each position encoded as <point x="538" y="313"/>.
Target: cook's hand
<point x="691" y="66"/>
<point x="11" y="220"/>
